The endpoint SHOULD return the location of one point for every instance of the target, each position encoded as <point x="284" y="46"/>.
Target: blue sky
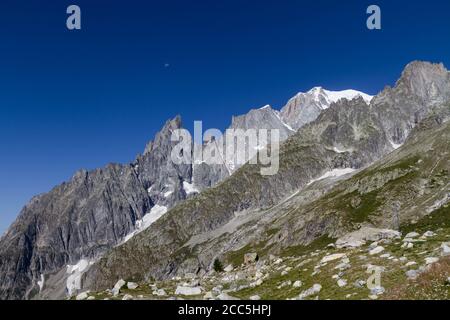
<point x="81" y="99"/>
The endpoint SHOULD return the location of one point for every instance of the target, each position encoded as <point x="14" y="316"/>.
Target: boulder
<point x="431" y="260"/>
<point x="311" y="291"/>
<point x="428" y="234"/>
<point x="376" y="250"/>
<point x="188" y="291"/>
<point x="250" y="258"/>
<point x="412" y="235"/>
<point x="341" y="283"/>
<point x="229" y="268"/>
<point x="132" y="285"/>
<point x="332" y="257"/>
<point x="82" y="296"/>
<point x="412" y="274"/>
<point x="119" y="285"/>
<point x="160" y="293"/>
<point x="445" y="249"/>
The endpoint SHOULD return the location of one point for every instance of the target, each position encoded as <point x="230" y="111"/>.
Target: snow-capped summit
<point x="305" y="107"/>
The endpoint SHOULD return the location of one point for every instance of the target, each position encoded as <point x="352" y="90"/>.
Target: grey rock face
<point x="88" y="215"/>
<point x="421" y="86"/>
<point x="207" y="175"/>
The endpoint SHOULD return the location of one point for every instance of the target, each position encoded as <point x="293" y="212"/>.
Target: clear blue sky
<point x="71" y="100"/>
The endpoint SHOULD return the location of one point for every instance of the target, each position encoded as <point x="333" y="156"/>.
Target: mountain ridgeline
<point x="202" y="212"/>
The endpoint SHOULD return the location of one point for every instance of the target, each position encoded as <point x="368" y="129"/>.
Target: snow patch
<point x="75" y="273"/>
<point x="338" y="150"/>
<point x="333" y="174"/>
<point x="41" y="283"/>
<point x="168" y="193"/>
<point x="277" y="114"/>
<point x="335" y="96"/>
<point x="395" y="145"/>
<point x="155" y="213"/>
<point x="189" y="188"/>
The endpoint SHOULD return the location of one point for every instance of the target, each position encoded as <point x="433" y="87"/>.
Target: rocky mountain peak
<point x="304" y="108"/>
<point x="428" y="81"/>
<point x="164" y="135"/>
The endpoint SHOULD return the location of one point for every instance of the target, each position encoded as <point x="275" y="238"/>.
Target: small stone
<point x="376" y="250"/>
<point x="311" y="291"/>
<point x="385" y="256"/>
<point x="445" y="249"/>
<point x="127" y="297"/>
<point x="255" y="298"/>
<point x="297" y="284"/>
<point x="410" y="245"/>
<point x="429" y="234"/>
<point x="119" y="285"/>
<point x="132" y="285"/>
<point x="160" y="293"/>
<point x="411" y="263"/>
<point x="278" y="261"/>
<point x="359" y="283"/>
<point x="332" y="257"/>
<point x="431" y="260"/>
<point x="82" y="296"/>
<point x="91" y="298"/>
<point x="208" y="296"/>
<point x="188" y="291"/>
<point x="343" y="266"/>
<point x="229" y="268"/>
<point x="250" y="258"/>
<point x="377" y="291"/>
<point x="341" y="283"/>
<point x="373" y="245"/>
<point x="412" y="274"/>
<point x="412" y="235"/>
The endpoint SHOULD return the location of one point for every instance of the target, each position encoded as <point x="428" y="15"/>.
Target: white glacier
<point x="75" y="272"/>
<point x="333" y="174"/>
<point x="189" y="188"/>
<point x="155" y="213"/>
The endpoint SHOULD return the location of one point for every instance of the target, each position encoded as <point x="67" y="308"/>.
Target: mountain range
<point x="342" y="156"/>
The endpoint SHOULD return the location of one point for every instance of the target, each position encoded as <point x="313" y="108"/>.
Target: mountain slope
<point x="349" y="134"/>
